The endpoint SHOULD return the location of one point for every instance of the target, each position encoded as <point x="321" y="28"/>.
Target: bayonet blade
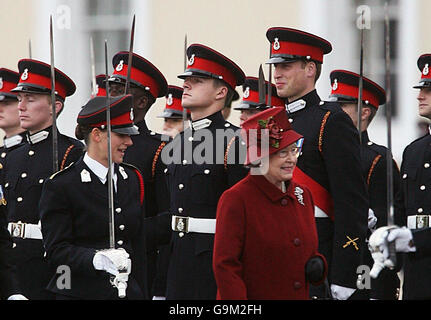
<point x="130" y="60"/>
<point x="261" y="87"/>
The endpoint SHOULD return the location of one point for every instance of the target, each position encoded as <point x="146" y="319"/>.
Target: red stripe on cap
<point x="42" y="81"/>
<point x="321" y="197"/>
<point x="101" y="92"/>
<point x="353" y="91"/>
<point x="140" y="77"/>
<point x="298" y="49"/>
<point x="214" y="68"/>
<point x="254" y="97"/>
<point x="7" y="87"/>
<point x="117" y="121"/>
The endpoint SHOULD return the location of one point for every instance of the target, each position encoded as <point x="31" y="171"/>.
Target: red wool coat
<point x="263" y="240"/>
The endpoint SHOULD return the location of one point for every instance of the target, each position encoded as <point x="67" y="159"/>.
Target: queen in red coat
<point x="266" y="240"/>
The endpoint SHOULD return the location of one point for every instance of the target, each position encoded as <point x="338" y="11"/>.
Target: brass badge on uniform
<point x="24" y="75"/>
<point x="351" y="241"/>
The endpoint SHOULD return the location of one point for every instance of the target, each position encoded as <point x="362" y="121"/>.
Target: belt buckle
<point x="18" y="229"/>
<point x="422" y="221"/>
<point x="182" y="224"/>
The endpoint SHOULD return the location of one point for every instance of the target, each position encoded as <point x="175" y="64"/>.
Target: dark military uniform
<point x="195" y="190"/>
<point x="147" y="146"/>
<point x="10" y="144"/>
<point x="330" y="167"/>
<point x="25" y="171"/>
<point x="75" y="223"/>
<point x="374" y="165"/>
<point x="414" y="204"/>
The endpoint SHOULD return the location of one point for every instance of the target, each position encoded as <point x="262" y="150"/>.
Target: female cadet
<point x="75" y="216"/>
<point x="266" y="239"/>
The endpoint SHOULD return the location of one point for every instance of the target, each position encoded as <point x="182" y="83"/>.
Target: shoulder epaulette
<point x="61" y="171"/>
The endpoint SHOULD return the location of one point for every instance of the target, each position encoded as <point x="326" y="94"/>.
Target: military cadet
<point x="9" y="117"/>
<point x="75" y="215"/>
<point x="173" y="113"/>
<point x="147" y="83"/>
<point x="413" y="202"/>
<point x="195" y="183"/>
<point x="330" y="164"/>
<point x="250" y="104"/>
<point x="345" y="89"/>
<point x="28" y="166"/>
<point x="265" y="244"/>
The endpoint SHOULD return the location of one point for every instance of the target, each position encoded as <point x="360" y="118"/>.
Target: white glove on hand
<point x="402" y="237"/>
<point x="17" y="297"/>
<point x="341" y="293"/>
<point x="112" y="261"/>
<point x="159" y="298"/>
<point x="372" y="219"/>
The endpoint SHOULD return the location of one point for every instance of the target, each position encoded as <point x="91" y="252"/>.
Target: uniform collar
<point x="38" y="136"/>
<point x="270" y="190"/>
<point x="310" y="99"/>
<point x="13" y="141"/>
<point x="99" y="169"/>
<point x="215" y="118"/>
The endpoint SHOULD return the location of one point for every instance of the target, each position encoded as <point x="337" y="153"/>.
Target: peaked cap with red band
<point x="93" y="114"/>
<point x="206" y="62"/>
<point x="290" y="45"/>
<point x="35" y="77"/>
<point x="101" y="85"/>
<point x="144" y="74"/>
<point x="250" y="98"/>
<point x="8" y="81"/>
<point x="174" y="108"/>
<point x="345" y="88"/>
<point x="281" y="133"/>
<point x="424" y="65"/>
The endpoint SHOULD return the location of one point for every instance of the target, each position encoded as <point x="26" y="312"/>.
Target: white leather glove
<point x="112" y="261"/>
<point x="372" y="219"/>
<point x="17" y="297"/>
<point x="159" y="298"/>
<point x="403" y="238"/>
<point x="341" y="293"/>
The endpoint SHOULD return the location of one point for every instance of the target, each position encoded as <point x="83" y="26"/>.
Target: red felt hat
<point x="424" y="65"/>
<point x="35" y="77"/>
<point x="289" y="44"/>
<point x="8" y="81"/>
<point x="143" y="74"/>
<point x="94" y="114"/>
<point x="206" y="62"/>
<point x="250" y="98"/>
<point x="174" y="108"/>
<point x="280" y="132"/>
<point x="345" y="88"/>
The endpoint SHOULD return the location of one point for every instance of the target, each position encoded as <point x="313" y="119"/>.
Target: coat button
<point x="181" y="234"/>
<point x="283" y="202"/>
<point x="6" y="184"/>
<point x="290" y="120"/>
<point x="13" y="245"/>
<point x="40" y="180"/>
<point x="184" y="162"/>
<point x="422" y="187"/>
<point x="206" y="171"/>
<point x="31" y="152"/>
<point x="23" y="175"/>
<point x="180" y="210"/>
<point x="297" y="242"/>
<point x="227" y="125"/>
<point x="180" y="186"/>
<point x="121" y="227"/>
<point x="19" y="199"/>
<point x="3" y="154"/>
<point x="420" y="210"/>
<point x="120" y="242"/>
<point x="427" y="165"/>
<point x="190" y="139"/>
<point x="118" y="210"/>
<point x="404" y="175"/>
<point x="166" y="170"/>
<point x="297" y="285"/>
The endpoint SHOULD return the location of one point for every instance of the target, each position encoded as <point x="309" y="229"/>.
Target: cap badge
<point x="247" y="92"/>
<point x="1" y="83"/>
<point x="132" y="116"/>
<point x="120" y="65"/>
<point x="24" y="75"/>
<point x="276" y="44"/>
<point x="335" y="85"/>
<point x="191" y="60"/>
<point x="170" y="100"/>
<point x="426" y="70"/>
